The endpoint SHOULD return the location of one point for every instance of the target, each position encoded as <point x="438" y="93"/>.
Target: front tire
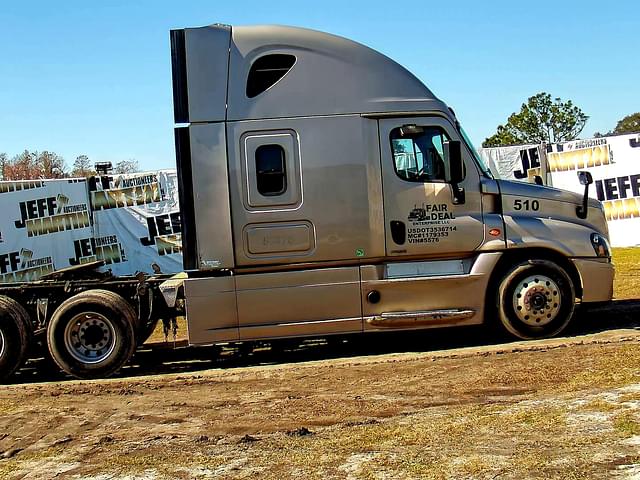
<point x="92" y="334"/>
<point x="535" y="299"/>
<point x="15" y="336"/>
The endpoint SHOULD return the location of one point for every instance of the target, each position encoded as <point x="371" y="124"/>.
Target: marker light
<point x="600" y="245"/>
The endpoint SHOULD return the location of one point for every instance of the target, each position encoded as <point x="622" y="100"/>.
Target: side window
<point x="418" y="153"/>
<point x="271" y="173"/>
<point x="266" y="71"/>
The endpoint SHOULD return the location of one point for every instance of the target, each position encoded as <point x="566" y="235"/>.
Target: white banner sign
<point x="614" y="163"/>
<point x="131" y="222"/>
<point x="137" y="218"/>
<point x="42" y="221"/>
<point x="520" y="162"/>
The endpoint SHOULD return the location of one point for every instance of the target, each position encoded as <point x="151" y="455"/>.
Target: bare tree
<point x="21" y="167"/>
<point x="51" y="165"/>
<point x="126" y="166"/>
<point x="33" y="165"/>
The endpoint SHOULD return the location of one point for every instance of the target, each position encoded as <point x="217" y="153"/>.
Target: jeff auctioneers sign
<point x="41" y="220"/>
<point x="614" y="163"/>
<point x="141" y="213"/>
<point x="130" y="222"/>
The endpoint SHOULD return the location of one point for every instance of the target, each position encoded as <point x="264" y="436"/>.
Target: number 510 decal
<point x="519" y="204"/>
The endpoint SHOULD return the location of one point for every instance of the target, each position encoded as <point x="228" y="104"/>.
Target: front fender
<point x="567" y="238"/>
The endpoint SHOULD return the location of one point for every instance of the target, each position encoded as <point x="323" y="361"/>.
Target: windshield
<point x="474" y="152"/>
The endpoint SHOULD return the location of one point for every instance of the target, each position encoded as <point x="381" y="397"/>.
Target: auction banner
<point x="519" y="162"/>
<point x="614" y="163"/>
<point x="136" y="223"/>
<point x="41" y="222"/>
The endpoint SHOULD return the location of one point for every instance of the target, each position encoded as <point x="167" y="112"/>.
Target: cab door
<point x="422" y="217"/>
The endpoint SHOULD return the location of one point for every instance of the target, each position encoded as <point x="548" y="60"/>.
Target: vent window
<point x="270" y="170"/>
<point x="266" y="71"/>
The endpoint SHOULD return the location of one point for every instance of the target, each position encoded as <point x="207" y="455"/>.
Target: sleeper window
<point x="418" y="153"/>
<point x="266" y="71"/>
<point x="271" y="175"/>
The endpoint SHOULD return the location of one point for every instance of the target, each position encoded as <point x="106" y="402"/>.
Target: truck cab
<point x="326" y="190"/>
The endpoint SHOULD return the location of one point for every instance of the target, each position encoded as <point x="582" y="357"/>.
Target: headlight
<point x="600" y="245"/>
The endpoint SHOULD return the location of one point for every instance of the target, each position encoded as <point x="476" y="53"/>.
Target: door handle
<point x="398" y="232"/>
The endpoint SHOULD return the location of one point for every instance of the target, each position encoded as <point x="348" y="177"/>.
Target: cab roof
<point x="316" y="74"/>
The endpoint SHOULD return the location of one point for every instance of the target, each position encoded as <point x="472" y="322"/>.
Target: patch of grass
<point x="22" y="460"/>
<point x="540" y="418"/>
<point x="616" y="369"/>
<point x="8" y="469"/>
<point x="8" y="407"/>
<point x="430" y="446"/>
<point x="474" y="466"/>
<point x="627" y="424"/>
<point x="162" y="460"/>
<point x="633" y="397"/>
<point x="599" y="405"/>
<point x="473" y="441"/>
<point x="627" y="281"/>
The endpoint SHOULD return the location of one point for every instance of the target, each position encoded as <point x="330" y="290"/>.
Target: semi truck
<point x="325" y="190"/>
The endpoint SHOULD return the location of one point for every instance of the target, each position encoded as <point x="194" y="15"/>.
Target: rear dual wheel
<point x="535" y="299"/>
<point x="92" y="334"/>
<point x="15" y="336"/>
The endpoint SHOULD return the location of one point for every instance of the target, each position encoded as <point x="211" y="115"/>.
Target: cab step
<point x="416" y="319"/>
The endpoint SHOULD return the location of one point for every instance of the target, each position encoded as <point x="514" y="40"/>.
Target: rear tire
<point x="535" y="299"/>
<point x="15" y="336"/>
<point x="92" y="334"/>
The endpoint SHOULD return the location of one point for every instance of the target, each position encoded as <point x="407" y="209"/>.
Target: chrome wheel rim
<point x="89" y="337"/>
<point x="537" y="300"/>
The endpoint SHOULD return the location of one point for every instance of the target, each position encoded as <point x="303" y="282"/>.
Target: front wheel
<point x="535" y="299"/>
<point x="92" y="334"/>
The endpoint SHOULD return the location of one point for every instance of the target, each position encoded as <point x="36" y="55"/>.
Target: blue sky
<point x="83" y="77"/>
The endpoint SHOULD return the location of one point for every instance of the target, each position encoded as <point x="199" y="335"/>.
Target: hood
<point x="522" y="189"/>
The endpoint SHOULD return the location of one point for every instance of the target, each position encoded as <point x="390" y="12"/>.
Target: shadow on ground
<point x="619" y="314"/>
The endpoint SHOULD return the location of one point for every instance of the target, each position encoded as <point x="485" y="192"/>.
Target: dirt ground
<point x="438" y="404"/>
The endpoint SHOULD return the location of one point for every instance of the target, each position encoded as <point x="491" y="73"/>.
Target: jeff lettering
<point x="618" y="187"/>
<point x="530" y="159"/>
<point x="9" y="262"/>
<point x="161" y="225"/>
<point x="42" y="207"/>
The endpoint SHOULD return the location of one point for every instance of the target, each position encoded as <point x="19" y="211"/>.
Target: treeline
<point x="36" y="165"/>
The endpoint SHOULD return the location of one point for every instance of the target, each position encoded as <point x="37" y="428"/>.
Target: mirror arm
<point x="581" y="210"/>
<point x="585" y="178"/>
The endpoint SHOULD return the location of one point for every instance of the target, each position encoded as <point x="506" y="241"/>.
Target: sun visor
<point x="200" y="63"/>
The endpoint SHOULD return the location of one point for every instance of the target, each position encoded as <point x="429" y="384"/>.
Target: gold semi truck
<point x="324" y="190"/>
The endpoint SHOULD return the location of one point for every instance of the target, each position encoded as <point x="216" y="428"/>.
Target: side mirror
<point x="455" y="169"/>
<point x="585" y="179"/>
